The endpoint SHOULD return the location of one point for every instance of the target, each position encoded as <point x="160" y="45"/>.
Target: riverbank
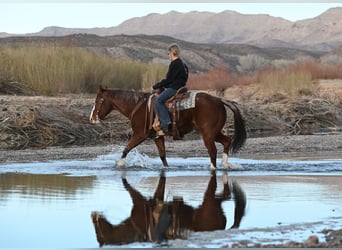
<point x="276" y="147"/>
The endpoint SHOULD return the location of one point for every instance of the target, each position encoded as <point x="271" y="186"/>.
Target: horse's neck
<point x="125" y="100"/>
<point x="123" y="232"/>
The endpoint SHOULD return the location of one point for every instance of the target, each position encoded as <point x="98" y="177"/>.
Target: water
<point x="48" y="204"/>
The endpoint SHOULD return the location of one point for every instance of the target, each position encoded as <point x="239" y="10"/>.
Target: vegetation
<point x="290" y="78"/>
<point x="49" y="69"/>
<point x="52" y="70"/>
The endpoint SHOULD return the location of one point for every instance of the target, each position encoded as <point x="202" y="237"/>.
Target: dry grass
<point x="291" y="84"/>
<point x="52" y="70"/>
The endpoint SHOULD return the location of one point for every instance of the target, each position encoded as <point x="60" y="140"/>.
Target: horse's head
<point x="102" y="106"/>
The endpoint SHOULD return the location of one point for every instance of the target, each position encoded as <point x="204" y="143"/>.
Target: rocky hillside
<point x="143" y="48"/>
<point x="322" y="33"/>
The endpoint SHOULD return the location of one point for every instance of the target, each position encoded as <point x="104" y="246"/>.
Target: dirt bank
<point x="37" y="121"/>
<point x="29" y="122"/>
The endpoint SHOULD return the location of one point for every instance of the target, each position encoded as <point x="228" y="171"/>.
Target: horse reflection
<point x="153" y="220"/>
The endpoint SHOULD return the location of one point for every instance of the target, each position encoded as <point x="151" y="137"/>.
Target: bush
<point x="286" y="82"/>
<point x="217" y="78"/>
<point x="51" y="70"/>
<point x="251" y="63"/>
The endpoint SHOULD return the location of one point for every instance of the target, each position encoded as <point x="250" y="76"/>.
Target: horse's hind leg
<point x="212" y="150"/>
<point x="209" y="194"/>
<point x="226" y="193"/>
<point x="240" y="204"/>
<point x="225" y="141"/>
<point x="226" y="190"/>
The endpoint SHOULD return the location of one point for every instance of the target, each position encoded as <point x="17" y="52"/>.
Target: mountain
<point x="323" y="32"/>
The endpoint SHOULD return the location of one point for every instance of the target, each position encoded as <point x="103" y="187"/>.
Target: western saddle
<point x="172" y="103"/>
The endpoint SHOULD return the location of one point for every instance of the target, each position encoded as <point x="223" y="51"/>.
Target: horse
<point x="208" y="117"/>
<point x="154" y="220"/>
<point x="139" y="225"/>
<point x="178" y="218"/>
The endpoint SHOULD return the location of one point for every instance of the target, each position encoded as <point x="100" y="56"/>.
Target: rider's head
<point x="174" y="50"/>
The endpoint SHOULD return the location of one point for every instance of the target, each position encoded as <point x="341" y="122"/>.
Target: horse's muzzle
<point x="94" y="121"/>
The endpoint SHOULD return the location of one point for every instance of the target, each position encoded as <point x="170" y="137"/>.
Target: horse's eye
<point x="100" y="101"/>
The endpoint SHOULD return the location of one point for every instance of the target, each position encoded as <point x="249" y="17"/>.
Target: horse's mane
<point x="126" y="95"/>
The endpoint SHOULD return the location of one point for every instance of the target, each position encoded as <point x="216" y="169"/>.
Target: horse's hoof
<point x="95" y="216"/>
<point x="229" y="166"/>
<point x="212" y="167"/>
<point x="120" y="163"/>
<point x="123" y="175"/>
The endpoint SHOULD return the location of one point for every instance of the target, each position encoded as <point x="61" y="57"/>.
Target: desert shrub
<point x="280" y="64"/>
<point x="332" y="60"/>
<point x="317" y="69"/>
<point x="217" y="78"/>
<point x="251" y="63"/>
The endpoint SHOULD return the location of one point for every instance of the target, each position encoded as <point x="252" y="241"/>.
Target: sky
<point x="20" y="17"/>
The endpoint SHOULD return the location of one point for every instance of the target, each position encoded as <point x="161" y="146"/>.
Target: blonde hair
<point x="174" y="49"/>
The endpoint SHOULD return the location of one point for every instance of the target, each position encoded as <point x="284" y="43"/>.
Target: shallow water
<point x="48" y="204"/>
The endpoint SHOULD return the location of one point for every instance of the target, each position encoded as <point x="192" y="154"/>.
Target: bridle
<point x="99" y="108"/>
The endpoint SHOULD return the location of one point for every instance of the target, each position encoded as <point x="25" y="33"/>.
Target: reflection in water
<point x="43" y="185"/>
<point x="153" y="219"/>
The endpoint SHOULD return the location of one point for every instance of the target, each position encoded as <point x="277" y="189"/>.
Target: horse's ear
<point x="100" y="88"/>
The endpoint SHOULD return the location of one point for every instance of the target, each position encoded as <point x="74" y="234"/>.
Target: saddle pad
<point x="187" y="103"/>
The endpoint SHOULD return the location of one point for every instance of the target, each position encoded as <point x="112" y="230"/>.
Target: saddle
<point x="173" y="104"/>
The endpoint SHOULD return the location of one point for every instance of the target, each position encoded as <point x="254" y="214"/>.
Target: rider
<point x="176" y="78"/>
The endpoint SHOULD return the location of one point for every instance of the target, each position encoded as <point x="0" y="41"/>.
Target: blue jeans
<point x="162" y="111"/>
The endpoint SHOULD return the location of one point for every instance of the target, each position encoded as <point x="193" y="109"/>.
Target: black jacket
<point x="176" y="76"/>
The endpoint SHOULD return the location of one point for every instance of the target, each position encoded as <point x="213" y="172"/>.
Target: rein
<point x="99" y="108"/>
<point x="141" y="102"/>
<point x="137" y="106"/>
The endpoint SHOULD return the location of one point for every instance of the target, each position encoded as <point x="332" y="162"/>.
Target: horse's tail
<point x="240" y="204"/>
<point x="240" y="135"/>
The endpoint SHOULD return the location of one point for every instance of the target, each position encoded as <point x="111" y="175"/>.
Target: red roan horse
<point x="208" y="117"/>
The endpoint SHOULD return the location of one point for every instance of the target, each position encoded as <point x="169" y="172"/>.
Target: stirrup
<point x="160" y="133"/>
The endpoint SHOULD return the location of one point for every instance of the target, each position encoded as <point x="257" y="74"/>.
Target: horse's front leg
<point x="160" y="190"/>
<point x="132" y="143"/>
<point x="160" y="142"/>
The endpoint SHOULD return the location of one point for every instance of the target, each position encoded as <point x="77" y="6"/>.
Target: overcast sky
<point x="26" y="17"/>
